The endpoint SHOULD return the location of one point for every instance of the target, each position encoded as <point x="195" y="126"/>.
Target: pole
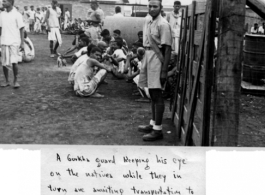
<point x="228" y="72"/>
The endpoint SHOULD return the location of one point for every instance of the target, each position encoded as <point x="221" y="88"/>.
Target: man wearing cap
<point x="157" y="42"/>
<point x="174" y="19"/>
<point x="95" y="14"/>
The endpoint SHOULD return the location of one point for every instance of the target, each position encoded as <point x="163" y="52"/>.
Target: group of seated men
<point x="75" y="24"/>
<point x="94" y="59"/>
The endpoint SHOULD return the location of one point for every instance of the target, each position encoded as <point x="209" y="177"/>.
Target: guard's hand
<point x="163" y="77"/>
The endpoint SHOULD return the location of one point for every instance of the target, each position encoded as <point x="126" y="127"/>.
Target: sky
<point x="165" y="2"/>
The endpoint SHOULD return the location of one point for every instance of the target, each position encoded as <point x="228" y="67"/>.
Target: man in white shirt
<point x="67" y="16"/>
<point x="157" y="40"/>
<point x="85" y="81"/>
<point x="43" y="24"/>
<point x="174" y="19"/>
<point x="96" y="14"/>
<point x="118" y="12"/>
<point x="26" y="18"/>
<point x="12" y="37"/>
<point x="261" y="29"/>
<point x="59" y="13"/>
<point x="38" y="21"/>
<point x="254" y="29"/>
<point x="53" y="26"/>
<point x="31" y="18"/>
<point x="119" y="55"/>
<point x="93" y="32"/>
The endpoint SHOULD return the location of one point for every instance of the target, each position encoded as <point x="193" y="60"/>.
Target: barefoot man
<point x="85" y="81"/>
<point x="12" y="40"/>
<point x="54" y="35"/>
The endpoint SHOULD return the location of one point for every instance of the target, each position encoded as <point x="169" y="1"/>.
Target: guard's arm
<point x="22" y="38"/>
<point x="166" y="51"/>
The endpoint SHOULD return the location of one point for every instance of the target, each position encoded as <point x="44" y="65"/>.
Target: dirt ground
<point x="252" y="121"/>
<point x="46" y="111"/>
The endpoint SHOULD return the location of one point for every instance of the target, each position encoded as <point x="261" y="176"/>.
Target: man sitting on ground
<point x="78" y="62"/>
<point x="140" y="39"/>
<point x="132" y="71"/>
<point x="106" y="37"/>
<point x="119" y="55"/>
<point x="103" y="46"/>
<point x="83" y="43"/>
<point x="116" y="34"/>
<point x="75" y="44"/>
<point x="85" y="82"/>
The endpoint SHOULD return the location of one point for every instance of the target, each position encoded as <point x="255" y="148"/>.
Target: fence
<point x="191" y="109"/>
<point x="212" y="103"/>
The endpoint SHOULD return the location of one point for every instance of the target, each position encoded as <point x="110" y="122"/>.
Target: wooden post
<point x="228" y="72"/>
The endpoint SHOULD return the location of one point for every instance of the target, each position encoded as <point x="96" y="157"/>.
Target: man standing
<point x="31" y="18"/>
<point x="174" y="19"/>
<point x="26" y="18"/>
<point x="262" y="29"/>
<point x="157" y="41"/>
<point x="118" y="12"/>
<point x="59" y="13"/>
<point x="254" y="29"/>
<point x="53" y="26"/>
<point x="95" y="13"/>
<point x="43" y="25"/>
<point x="12" y="37"/>
<point x="67" y="17"/>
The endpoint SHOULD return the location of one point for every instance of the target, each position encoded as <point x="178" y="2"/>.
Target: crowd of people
<point x="150" y="64"/>
<point x="34" y="19"/>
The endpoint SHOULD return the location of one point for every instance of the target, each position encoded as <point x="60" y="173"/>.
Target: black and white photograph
<point x="131" y="81"/>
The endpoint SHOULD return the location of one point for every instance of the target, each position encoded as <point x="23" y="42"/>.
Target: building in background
<point x="78" y="8"/>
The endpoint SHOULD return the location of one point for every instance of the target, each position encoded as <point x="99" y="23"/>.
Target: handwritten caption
<point x="122" y="172"/>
